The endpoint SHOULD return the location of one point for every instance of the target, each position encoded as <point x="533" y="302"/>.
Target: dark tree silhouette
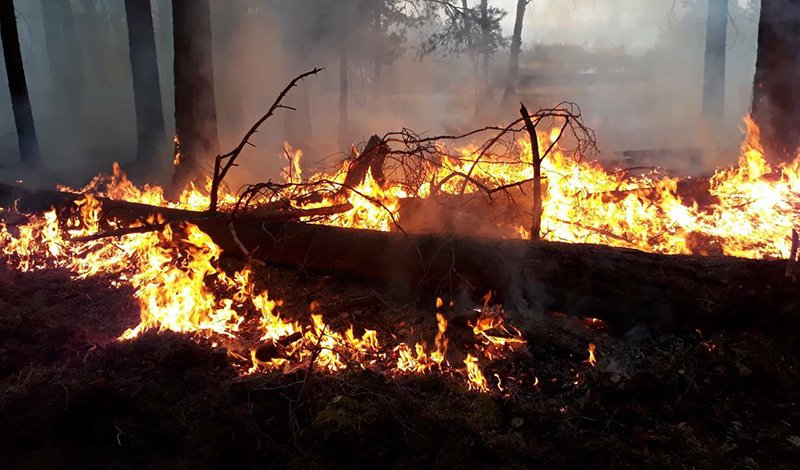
<point x="714" y="72"/>
<point x="776" y="93"/>
<point x="195" y="107"/>
<point x="23" y="116"/>
<point x="516" y="48"/>
<point x="150" y="132"/>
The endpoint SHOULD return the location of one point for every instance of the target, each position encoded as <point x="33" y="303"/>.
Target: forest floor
<point x="72" y="396"/>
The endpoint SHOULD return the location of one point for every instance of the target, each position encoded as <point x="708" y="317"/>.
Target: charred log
<point x="624" y="287"/>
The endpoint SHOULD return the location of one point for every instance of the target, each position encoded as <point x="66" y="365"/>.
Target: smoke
<point x="634" y="66"/>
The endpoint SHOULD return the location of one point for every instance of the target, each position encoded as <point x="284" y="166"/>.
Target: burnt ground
<point x="71" y="396"/>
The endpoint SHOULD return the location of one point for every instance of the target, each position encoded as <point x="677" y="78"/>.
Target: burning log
<point x="624" y="287"/>
<point x="621" y="286"/>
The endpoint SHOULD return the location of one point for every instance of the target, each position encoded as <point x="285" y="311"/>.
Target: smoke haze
<point x="635" y="67"/>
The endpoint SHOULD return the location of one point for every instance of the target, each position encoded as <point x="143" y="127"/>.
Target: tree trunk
<point x="714" y="72"/>
<point x="150" y="133"/>
<point x="776" y="94"/>
<point x="195" y="106"/>
<point x="74" y="56"/>
<point x="92" y="35"/>
<point x="65" y="56"/>
<point x="516" y="47"/>
<point x="165" y="50"/>
<point x="17" y="86"/>
<point x="485" y="52"/>
<point x="54" y="42"/>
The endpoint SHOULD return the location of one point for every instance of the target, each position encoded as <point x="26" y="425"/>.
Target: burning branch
<point x="229" y="159"/>
<point x="536" y="226"/>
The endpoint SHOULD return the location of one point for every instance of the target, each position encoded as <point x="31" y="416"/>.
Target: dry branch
<point x="229" y="159"/>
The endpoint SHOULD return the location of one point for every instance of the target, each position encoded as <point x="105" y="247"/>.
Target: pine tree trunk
<point x="65" y="56"/>
<point x="150" y="133"/>
<point x="165" y="50"/>
<point x="195" y="107"/>
<point x="485" y="52"/>
<point x="776" y="93"/>
<point x="54" y="42"/>
<point x="73" y="49"/>
<point x="23" y="116"/>
<point x="92" y="35"/>
<point x="714" y="73"/>
<point x="516" y="47"/>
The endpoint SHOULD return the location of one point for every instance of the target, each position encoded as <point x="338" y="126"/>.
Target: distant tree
<point x="64" y="52"/>
<point x="516" y="48"/>
<point x="776" y="93"/>
<point x="92" y="35"/>
<point x="298" y="42"/>
<point x="150" y="132"/>
<point x="464" y="29"/>
<point x="20" y="103"/>
<point x="195" y="107"/>
<point x="714" y="71"/>
<point x="485" y="49"/>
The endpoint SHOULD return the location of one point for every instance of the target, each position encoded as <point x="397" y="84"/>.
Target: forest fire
<point x="180" y="288"/>
<point x="752" y="210"/>
<point x="332" y="289"/>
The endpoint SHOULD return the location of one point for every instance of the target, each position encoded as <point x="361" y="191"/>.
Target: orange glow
<point x="180" y="287"/>
<point x="592" y="359"/>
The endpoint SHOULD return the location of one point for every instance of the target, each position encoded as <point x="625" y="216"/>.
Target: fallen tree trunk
<point x="622" y="286"/>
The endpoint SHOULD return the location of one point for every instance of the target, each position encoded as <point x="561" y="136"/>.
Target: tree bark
<point x="714" y="71"/>
<point x="195" y="106"/>
<point x="150" y="133"/>
<point x="776" y="94"/>
<point x="624" y="287"/>
<point x="18" y="87"/>
<point x="516" y="47"/>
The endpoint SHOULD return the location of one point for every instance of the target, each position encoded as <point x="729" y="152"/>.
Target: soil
<point x="73" y="396"/>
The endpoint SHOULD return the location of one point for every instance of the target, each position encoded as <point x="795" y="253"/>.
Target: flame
<point x="476" y="379"/>
<point x="592" y="359"/>
<point x="180" y="287"/>
<point x="754" y="211"/>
